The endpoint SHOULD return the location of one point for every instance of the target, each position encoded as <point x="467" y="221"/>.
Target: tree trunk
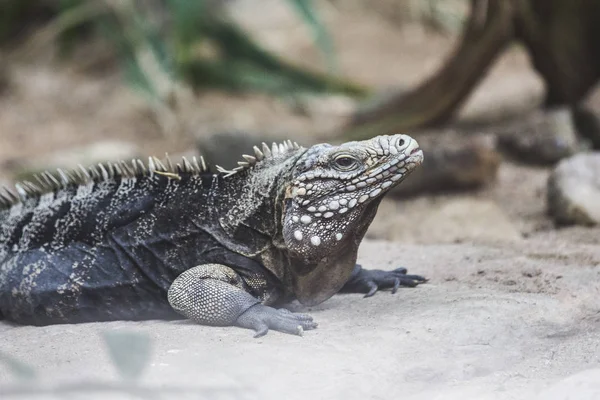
<point x="561" y="37"/>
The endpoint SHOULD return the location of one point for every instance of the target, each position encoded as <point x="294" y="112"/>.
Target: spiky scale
<point x="40" y="180"/>
<point x="250" y="159"/>
<point x="141" y="167"/>
<point x="85" y="173"/>
<point x="197" y="165"/>
<point x="275" y="149"/>
<point x="21" y="191"/>
<point x="187" y="166"/>
<point x="117" y="170"/>
<point x="52" y="180"/>
<point x="126" y="169"/>
<point x="111" y="170"/>
<point x="266" y="150"/>
<point x="259" y="154"/>
<point x="151" y="165"/>
<point x="104" y="172"/>
<point x="169" y="163"/>
<point x="64" y="179"/>
<point x="10" y="195"/>
<point x="95" y="173"/>
<point x="221" y="169"/>
<point x="31" y="188"/>
<point x="5" y="199"/>
<point x="159" y="166"/>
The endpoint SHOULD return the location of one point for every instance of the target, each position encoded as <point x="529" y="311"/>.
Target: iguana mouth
<point x="390" y="173"/>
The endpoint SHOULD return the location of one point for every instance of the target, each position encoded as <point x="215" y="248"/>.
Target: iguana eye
<point x="345" y="162"/>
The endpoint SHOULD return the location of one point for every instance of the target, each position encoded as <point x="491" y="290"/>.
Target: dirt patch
<point x="494" y="323"/>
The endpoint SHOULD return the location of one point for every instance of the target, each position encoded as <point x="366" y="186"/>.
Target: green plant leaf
<point x="129" y="351"/>
<point x="307" y="11"/>
<point x="19" y="369"/>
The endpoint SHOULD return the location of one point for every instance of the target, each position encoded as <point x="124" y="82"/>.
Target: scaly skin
<point x="126" y="242"/>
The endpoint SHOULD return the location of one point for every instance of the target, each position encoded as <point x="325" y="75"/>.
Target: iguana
<point x="134" y="240"/>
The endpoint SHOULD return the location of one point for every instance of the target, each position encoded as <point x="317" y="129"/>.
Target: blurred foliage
<point x="129" y="351"/>
<point x="161" y="44"/>
<point x="19" y="369"/>
<point x="442" y="15"/>
<point x="446" y="17"/>
<point x="130" y="354"/>
<point x="322" y="38"/>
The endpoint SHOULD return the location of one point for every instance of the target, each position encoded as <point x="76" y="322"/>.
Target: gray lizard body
<point x="141" y="241"/>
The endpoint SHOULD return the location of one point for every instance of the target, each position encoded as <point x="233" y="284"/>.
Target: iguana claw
<point x="261" y="318"/>
<point x="370" y="281"/>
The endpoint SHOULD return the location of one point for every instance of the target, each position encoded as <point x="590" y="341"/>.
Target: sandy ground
<point x="497" y="321"/>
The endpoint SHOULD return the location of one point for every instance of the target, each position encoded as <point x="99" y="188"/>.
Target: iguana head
<point x="330" y="203"/>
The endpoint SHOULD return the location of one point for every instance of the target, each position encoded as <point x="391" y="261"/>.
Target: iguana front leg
<point x="369" y="281"/>
<point x="214" y="294"/>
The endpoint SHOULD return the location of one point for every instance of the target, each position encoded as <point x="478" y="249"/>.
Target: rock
<point x="587" y="117"/>
<point x="574" y="190"/>
<point x="468" y="219"/>
<point x="451" y="165"/>
<point x="543" y="138"/>
<point x="226" y="148"/>
<point x="449" y="220"/>
<point x="69" y="158"/>
<point x="584" y="385"/>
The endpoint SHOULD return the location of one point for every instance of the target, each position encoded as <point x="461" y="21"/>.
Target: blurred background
<point x="500" y="94"/>
<point x="503" y="215"/>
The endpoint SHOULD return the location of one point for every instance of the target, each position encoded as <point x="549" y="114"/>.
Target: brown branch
<point x="562" y="39"/>
<point x="489" y="30"/>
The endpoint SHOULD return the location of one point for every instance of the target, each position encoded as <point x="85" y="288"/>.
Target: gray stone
<point x="574" y="190"/>
<point x="543" y="138"/>
<point x="468" y="219"/>
<point x="587" y="117"/>
<point x="452" y="220"/>
<point x="453" y="162"/>
<point x="584" y="385"/>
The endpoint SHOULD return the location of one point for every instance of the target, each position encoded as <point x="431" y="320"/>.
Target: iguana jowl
<point x="141" y="241"/>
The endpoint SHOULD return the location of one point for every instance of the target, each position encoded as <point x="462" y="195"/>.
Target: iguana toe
<point x="261" y="318"/>
<point x="371" y="281"/>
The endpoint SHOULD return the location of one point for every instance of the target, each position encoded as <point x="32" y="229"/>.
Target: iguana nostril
<point x="401" y="142"/>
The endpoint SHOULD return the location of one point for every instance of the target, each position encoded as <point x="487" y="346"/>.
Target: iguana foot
<point x="369" y="281"/>
<point x="261" y="318"/>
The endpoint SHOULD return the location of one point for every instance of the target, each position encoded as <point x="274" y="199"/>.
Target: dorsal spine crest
<point x="51" y="182"/>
